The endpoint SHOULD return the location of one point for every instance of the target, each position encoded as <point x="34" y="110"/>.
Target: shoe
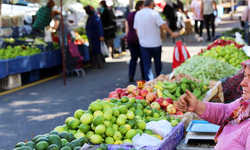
<point x="131" y="79"/>
<point x="200" y="39"/>
<point x="196" y="36"/>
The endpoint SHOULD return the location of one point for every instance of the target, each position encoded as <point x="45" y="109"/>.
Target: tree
<point x="93" y="3"/>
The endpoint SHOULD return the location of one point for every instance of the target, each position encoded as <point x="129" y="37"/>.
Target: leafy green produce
<point x="229" y="54"/>
<point x="13" y="52"/>
<point x="206" y="68"/>
<point x="233" y="31"/>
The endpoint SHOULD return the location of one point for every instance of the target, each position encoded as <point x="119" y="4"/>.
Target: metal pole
<point x="63" y="52"/>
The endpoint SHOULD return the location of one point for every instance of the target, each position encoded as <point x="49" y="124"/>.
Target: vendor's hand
<point x="187" y="102"/>
<point x="175" y="34"/>
<point x="101" y="38"/>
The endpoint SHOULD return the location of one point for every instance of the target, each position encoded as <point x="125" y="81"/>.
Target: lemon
<point x="78" y="113"/>
<point x="139" y="131"/>
<point x="98" y="112"/>
<point x="74" y="123"/>
<point x="132" y="109"/>
<point x="130" y="115"/>
<point x="124" y="99"/>
<point x="117" y="135"/>
<point x="108" y="110"/>
<point x="115" y="127"/>
<point x="113" y="120"/>
<point x="108" y="123"/>
<point x="131" y="133"/>
<point x="109" y="140"/>
<point x="129" y="104"/>
<point x="132" y="100"/>
<point x="96" y="139"/>
<point x="73" y="132"/>
<point x="89" y="134"/>
<point x="110" y="131"/>
<point x="84" y="128"/>
<point x="59" y="129"/>
<point x="127" y="141"/>
<point x="127" y="126"/>
<point x="118" y="142"/>
<point x="86" y="118"/>
<point x="99" y="119"/>
<point x="131" y="123"/>
<point x="141" y="124"/>
<point x="148" y="131"/>
<point x="100" y="129"/>
<point x="123" y="129"/>
<point x="105" y="104"/>
<point x="139" y="106"/>
<point x="78" y="135"/>
<point x="156" y="115"/>
<point x="68" y="120"/>
<point x="138" y="112"/>
<point x="94" y="106"/>
<point x="123" y="109"/>
<point x="123" y="116"/>
<point x="116" y="111"/>
<point x="107" y="115"/>
<point x="121" y="121"/>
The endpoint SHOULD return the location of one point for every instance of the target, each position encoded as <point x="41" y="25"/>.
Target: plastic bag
<point x="238" y="38"/>
<point x="162" y="127"/>
<point x="140" y="141"/>
<point x="47" y="35"/>
<point x="217" y="21"/>
<point x="104" y="50"/>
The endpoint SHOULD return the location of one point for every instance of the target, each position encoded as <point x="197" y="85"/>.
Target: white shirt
<point x="147" y="22"/>
<point x="196" y="5"/>
<point x="208" y="7"/>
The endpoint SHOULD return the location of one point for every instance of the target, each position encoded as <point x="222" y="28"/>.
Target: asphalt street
<point x="40" y="108"/>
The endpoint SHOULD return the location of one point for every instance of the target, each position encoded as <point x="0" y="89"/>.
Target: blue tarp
<point x="46" y="59"/>
<point x="3" y="69"/>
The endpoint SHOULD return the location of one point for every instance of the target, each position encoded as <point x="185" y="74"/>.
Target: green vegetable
<point x="206" y="68"/>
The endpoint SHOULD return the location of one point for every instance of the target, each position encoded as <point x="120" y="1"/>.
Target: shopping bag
<point x="180" y="54"/>
<point x="104" y="50"/>
<point x="47" y="35"/>
<point x="217" y="21"/>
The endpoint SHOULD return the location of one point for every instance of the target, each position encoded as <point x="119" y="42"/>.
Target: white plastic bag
<point x="47" y="35"/>
<point x="162" y="127"/>
<point x="238" y="38"/>
<point x="104" y="50"/>
<point x="217" y="21"/>
<point x="140" y="141"/>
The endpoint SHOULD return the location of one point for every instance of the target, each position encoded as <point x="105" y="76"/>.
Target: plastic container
<point x="29" y="77"/>
<point x="10" y="82"/>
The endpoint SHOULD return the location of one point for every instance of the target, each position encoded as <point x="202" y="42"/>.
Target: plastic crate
<point x="10" y="82"/>
<point x="29" y="77"/>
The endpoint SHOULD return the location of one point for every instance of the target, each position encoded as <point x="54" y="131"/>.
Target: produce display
<point x="13" y="52"/>
<point x="229" y="54"/>
<point x="176" y="89"/>
<point x="221" y="42"/>
<point x="113" y="120"/>
<point x="206" y="68"/>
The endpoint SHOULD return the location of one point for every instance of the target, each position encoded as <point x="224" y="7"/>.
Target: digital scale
<point x="201" y="132"/>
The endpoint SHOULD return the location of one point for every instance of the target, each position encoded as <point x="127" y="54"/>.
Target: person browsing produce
<point x="234" y="118"/>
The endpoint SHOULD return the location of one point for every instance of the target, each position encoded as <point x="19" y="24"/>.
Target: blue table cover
<point x="3" y="68"/>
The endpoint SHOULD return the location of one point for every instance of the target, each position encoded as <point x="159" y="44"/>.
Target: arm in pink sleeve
<point x="216" y="113"/>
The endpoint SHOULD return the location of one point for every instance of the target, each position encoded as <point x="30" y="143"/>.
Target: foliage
<point x="93" y="3"/>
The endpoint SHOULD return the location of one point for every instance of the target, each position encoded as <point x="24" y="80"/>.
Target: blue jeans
<point x="135" y="54"/>
<point x="147" y="54"/>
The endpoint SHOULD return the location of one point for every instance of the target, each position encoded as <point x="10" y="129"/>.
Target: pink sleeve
<point x="216" y="113"/>
<point x="247" y="140"/>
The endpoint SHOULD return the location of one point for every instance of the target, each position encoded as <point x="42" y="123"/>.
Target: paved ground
<point x="40" y="108"/>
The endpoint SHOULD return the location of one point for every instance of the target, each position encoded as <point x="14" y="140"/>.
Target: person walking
<point x="95" y="36"/>
<point x="147" y="24"/>
<point x="196" y="9"/>
<point x="207" y="12"/>
<point x="109" y="26"/>
<point x="133" y="42"/>
<point x="170" y="13"/>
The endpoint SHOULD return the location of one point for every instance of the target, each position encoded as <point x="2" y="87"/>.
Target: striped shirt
<point x="43" y="18"/>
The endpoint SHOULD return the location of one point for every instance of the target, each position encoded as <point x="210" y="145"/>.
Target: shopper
<point x="196" y="9"/>
<point x="95" y="36"/>
<point x="147" y="24"/>
<point x="42" y="18"/>
<point x="170" y="13"/>
<point x="133" y="43"/>
<point x="67" y="30"/>
<point x="207" y="12"/>
<point x="109" y="26"/>
<point x="234" y="133"/>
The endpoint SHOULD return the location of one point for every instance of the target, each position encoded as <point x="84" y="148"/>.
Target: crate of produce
<point x="215" y="87"/>
<point x="170" y="142"/>
<point x="29" y="77"/>
<point x="10" y="82"/>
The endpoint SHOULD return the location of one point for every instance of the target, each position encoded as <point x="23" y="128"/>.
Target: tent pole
<point x="63" y="52"/>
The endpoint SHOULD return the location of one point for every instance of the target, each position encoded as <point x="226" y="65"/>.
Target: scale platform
<point x="201" y="132"/>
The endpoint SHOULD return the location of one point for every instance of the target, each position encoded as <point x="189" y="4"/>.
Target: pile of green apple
<point x="229" y="54"/>
<point x="114" y="121"/>
<point x="13" y="52"/>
